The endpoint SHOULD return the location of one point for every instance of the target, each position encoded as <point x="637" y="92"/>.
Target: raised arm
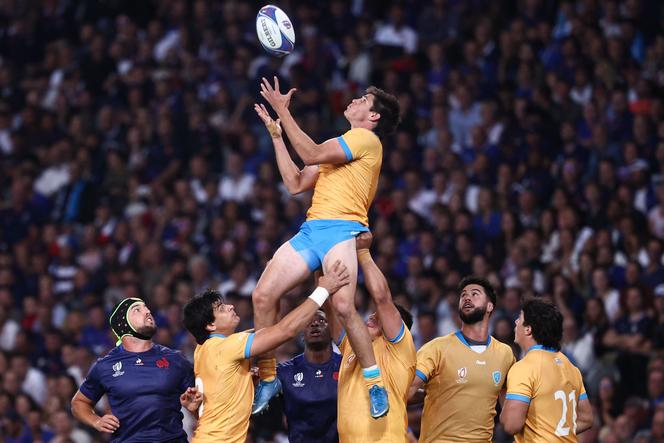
<point x="269" y="338"/>
<point x="296" y="180"/>
<point x="389" y="315"/>
<point x="309" y="151"/>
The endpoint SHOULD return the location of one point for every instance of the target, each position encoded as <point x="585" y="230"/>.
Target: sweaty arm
<point x="390" y="318"/>
<point x="584" y="418"/>
<point x="296" y="180"/>
<point x="513" y="415"/>
<point x="310" y="152"/>
<point x="416" y="392"/>
<point x="269" y="338"/>
<point x="83" y="409"/>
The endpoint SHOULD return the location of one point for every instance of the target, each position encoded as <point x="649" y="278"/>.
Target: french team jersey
<point x="144" y="391"/>
<point x="310" y="399"/>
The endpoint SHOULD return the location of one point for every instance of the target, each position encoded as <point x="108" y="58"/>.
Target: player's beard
<point x="474" y="316"/>
<point x="148" y="331"/>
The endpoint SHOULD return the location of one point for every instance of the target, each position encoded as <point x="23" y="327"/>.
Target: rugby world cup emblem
<point x="462" y="373"/>
<point x="298" y="380"/>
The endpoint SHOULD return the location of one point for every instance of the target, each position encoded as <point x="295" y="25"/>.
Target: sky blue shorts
<point x="317" y="237"/>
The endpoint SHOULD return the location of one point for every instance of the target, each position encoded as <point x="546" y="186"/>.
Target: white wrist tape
<point x="319" y="296"/>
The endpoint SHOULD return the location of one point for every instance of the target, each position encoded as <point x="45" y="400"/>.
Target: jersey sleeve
<point x="187" y="379"/>
<point x="92" y="386"/>
<point x="583" y="395"/>
<point x="520" y="383"/>
<point x="402" y="347"/>
<point x="238" y="346"/>
<point x="428" y="361"/>
<point x="358" y="143"/>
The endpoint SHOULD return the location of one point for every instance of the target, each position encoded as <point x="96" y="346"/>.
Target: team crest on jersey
<point x="117" y="368"/>
<point x="298" y="380"/>
<point x="496" y="377"/>
<point x="462" y="373"/>
<point x="319" y="373"/>
<point x="139" y="362"/>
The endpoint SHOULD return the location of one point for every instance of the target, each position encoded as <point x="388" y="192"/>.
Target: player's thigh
<point x="345" y="252"/>
<point x="286" y="270"/>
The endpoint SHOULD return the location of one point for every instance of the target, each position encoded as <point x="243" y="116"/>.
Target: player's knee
<point x="261" y="299"/>
<point x="344" y="307"/>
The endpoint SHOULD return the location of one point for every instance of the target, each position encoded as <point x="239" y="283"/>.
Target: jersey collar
<point x="540" y="348"/>
<point x="465" y="342"/>
<point x="217" y="335"/>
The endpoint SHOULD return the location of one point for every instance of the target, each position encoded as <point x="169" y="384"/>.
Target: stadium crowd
<point x="132" y="164"/>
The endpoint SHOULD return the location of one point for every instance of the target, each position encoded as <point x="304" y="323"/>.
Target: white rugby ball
<point x="275" y="31"/>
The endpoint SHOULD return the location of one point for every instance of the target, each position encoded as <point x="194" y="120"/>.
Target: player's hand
<point x="108" y="423"/>
<point x="274" y="128"/>
<point x="191" y="399"/>
<point x="363" y="241"/>
<point x="274" y="97"/>
<point x="335" y="278"/>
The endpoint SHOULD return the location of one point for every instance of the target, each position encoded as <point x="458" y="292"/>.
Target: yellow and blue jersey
<point x="345" y="191"/>
<point x="396" y="359"/>
<point x="221" y="367"/>
<point x="552" y="387"/>
<point x="462" y="388"/>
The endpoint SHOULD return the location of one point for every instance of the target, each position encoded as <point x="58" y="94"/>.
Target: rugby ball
<point x="275" y="31"/>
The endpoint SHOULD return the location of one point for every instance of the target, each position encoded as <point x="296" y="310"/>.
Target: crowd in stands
<point x="530" y="152"/>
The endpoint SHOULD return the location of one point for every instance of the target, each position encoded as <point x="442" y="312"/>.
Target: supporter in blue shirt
<point x="146" y="383"/>
<point x="309" y="384"/>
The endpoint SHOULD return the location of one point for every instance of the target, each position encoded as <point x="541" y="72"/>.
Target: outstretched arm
<point x="269" y="338"/>
<point x="296" y="180"/>
<point x="309" y="151"/>
<point x="389" y="315"/>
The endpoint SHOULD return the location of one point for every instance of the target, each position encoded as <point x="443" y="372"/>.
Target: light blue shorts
<point x="317" y="237"/>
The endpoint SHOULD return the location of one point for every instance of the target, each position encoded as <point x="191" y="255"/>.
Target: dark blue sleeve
<point x="92" y="386"/>
<point x="187" y="373"/>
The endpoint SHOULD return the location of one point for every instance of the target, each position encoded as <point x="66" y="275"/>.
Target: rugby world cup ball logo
<point x="117" y="369"/>
<point x="298" y="380"/>
<point x="462" y="373"/>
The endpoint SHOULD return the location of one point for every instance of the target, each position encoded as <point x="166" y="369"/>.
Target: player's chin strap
<point x="120" y="320"/>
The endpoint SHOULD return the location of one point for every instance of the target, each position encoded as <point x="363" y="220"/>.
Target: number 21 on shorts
<point x="561" y="429"/>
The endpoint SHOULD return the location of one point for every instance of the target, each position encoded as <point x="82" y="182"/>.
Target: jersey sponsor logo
<point x="163" y="363"/>
<point x="319" y="373"/>
<point x="496" y="375"/>
<point x="480" y="362"/>
<point x="117" y="368"/>
<point x="463" y="374"/>
<point x="139" y="362"/>
<point x="298" y="380"/>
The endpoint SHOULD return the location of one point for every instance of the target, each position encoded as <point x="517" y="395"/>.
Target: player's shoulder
<point x="166" y="351"/>
<point x="501" y="347"/>
<point x="293" y="362"/>
<point x="444" y="340"/>
<point x="363" y="134"/>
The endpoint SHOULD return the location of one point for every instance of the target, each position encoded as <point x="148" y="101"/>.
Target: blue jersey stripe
<point x="345" y="147"/>
<point x="399" y="336"/>
<point x="583" y="396"/>
<point x="518" y="397"/>
<point x="247" y="347"/>
<point x="421" y="375"/>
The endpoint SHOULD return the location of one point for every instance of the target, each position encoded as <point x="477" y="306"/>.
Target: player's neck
<point x="478" y="331"/>
<point x="526" y="344"/>
<point x="133" y="344"/>
<point x="318" y="356"/>
<point x="361" y="124"/>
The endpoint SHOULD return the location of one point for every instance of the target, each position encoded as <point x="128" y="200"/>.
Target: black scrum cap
<point x="120" y="320"/>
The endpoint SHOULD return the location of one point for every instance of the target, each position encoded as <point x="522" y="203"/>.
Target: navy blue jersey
<point x="144" y="392"/>
<point x="310" y="399"/>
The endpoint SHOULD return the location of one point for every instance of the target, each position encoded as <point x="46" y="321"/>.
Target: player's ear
<point x="210" y="327"/>
<point x="374" y="116"/>
<point x="489" y="307"/>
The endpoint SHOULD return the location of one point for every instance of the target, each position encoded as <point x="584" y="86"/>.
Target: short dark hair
<point x="388" y="107"/>
<point x="483" y="282"/>
<point x="545" y="321"/>
<point x="199" y="312"/>
<point x="406" y="316"/>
